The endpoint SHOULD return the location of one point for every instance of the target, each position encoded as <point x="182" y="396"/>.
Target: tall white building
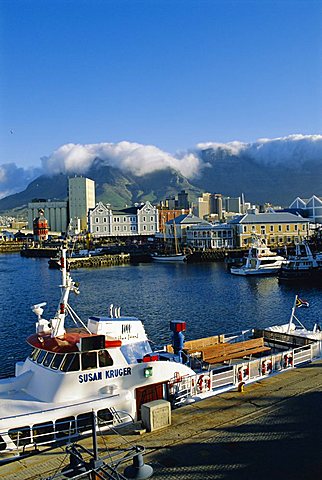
<point x="81" y="199"/>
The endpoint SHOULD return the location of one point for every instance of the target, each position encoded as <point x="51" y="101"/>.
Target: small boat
<point x="303" y="265"/>
<point x="259" y="261"/>
<point x="164" y="257"/>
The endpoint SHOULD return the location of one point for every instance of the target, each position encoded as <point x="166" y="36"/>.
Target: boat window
<point x="71" y="363"/>
<point x="84" y="422"/>
<point x="89" y="360"/>
<point x="34" y="354"/>
<point x="3" y="444"/>
<point x="48" y="359"/>
<point x="43" y="432"/>
<point x="65" y="427"/>
<point x="55" y="364"/>
<point x="41" y="356"/>
<point x="20" y="436"/>
<point x="104" y="416"/>
<point x="104" y="359"/>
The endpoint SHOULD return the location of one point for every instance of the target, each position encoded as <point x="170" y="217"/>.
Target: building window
<point x="104" y="219"/>
<point x="271" y="228"/>
<point x="245" y="229"/>
<point x="280" y="228"/>
<point x="287" y="228"/>
<point x="295" y="228"/>
<point x="263" y="229"/>
<point x="144" y="219"/>
<point x="152" y="219"/>
<point x="97" y="229"/>
<point x="97" y="219"/>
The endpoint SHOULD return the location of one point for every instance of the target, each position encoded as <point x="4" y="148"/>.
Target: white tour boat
<point x="106" y="366"/>
<point x="259" y="261"/>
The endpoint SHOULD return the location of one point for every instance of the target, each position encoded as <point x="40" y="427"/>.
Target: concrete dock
<point x="272" y="430"/>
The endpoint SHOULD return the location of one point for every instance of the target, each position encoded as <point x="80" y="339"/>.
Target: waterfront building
<point x="140" y="220"/>
<point x="56" y="213"/>
<point x="179" y="226"/>
<point x="310" y="208"/>
<point x="81" y="199"/>
<point x="210" y="236"/>
<point x="278" y="228"/>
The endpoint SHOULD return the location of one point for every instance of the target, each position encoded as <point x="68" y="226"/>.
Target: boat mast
<point x="58" y="328"/>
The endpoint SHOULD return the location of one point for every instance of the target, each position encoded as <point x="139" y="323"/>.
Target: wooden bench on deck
<point x="198" y="345"/>
<point x="227" y="351"/>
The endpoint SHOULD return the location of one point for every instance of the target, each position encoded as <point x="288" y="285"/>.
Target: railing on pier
<point x="227" y="377"/>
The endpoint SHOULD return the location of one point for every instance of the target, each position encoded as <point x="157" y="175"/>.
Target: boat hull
<point x="169" y="258"/>
<point x="254" y="271"/>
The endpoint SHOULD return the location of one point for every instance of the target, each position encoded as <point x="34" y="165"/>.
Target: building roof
<point x="187" y="219"/>
<point x="282" y="217"/>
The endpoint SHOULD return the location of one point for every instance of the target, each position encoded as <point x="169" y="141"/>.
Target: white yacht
<point x="259" y="261"/>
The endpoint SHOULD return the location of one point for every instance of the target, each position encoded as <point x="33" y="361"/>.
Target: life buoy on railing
<point x="288" y="360"/>
<point x="203" y="383"/>
<point x="243" y="373"/>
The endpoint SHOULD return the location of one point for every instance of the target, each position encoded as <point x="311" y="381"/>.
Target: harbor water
<point x="205" y="295"/>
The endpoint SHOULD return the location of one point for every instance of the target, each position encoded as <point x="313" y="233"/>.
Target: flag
<point x="301" y="303"/>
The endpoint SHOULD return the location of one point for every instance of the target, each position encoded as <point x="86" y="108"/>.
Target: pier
<point x="99" y="261"/>
<point x="270" y="430"/>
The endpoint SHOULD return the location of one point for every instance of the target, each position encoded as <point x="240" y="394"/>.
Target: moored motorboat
<point x="302" y="266"/>
<point x="259" y="261"/>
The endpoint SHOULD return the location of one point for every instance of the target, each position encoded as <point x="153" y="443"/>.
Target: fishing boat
<point x="108" y="367"/>
<point x="302" y="266"/>
<point x="259" y="261"/>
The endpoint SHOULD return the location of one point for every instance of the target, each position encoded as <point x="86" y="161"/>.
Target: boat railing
<point x="229" y="376"/>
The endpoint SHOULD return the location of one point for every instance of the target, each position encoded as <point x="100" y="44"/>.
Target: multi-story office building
<point x="55" y="212"/>
<point x="81" y="199"/>
<point x="210" y="204"/>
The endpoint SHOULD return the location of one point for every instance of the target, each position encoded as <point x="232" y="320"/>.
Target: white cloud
<point x="132" y="157"/>
<point x="142" y="159"/>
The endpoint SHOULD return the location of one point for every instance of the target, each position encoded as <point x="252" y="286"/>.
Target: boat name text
<point x="92" y="377"/>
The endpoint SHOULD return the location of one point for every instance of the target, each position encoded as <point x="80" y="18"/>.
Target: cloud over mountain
<point x="14" y="179"/>
<point x="139" y="160"/>
<point x="130" y="157"/>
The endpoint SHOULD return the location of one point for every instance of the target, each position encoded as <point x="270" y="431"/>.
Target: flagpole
<point x="292" y="315"/>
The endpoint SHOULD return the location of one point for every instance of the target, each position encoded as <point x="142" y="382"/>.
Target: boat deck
<point x="273" y="427"/>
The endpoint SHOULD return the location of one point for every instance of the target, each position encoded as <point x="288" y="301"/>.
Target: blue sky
<point x="166" y="73"/>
